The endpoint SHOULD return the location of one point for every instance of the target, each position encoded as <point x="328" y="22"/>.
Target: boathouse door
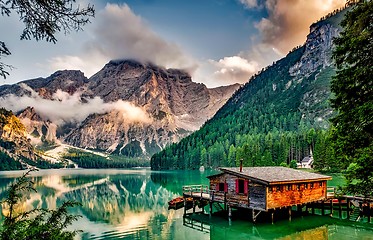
<point x="257" y="196"/>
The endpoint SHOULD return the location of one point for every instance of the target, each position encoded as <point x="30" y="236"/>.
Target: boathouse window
<point x="222" y="187"/>
<point x="320" y="184"/>
<point x="288" y="187"/>
<point x="305" y="186"/>
<point x="298" y="186"/>
<point x="311" y="185"/>
<point x="278" y="188"/>
<point x="241" y="186"/>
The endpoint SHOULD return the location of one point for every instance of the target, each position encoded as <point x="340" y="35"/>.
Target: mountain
<point x="13" y="141"/>
<point x="128" y="107"/>
<point x="175" y="106"/>
<point x="16" y="150"/>
<point x="280" y="115"/>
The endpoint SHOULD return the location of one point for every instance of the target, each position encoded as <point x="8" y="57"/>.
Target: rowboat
<point x="178" y="203"/>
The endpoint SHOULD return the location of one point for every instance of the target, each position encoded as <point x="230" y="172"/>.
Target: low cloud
<point x="249" y="3"/>
<point x="288" y="21"/>
<point x="118" y="33"/>
<point x="286" y="27"/>
<point x="65" y="108"/>
<point x="234" y="69"/>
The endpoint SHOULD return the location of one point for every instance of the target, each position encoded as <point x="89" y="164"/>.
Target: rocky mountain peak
<point x="13" y="140"/>
<point x="144" y="107"/>
<point x="30" y="113"/>
<point x="69" y="81"/>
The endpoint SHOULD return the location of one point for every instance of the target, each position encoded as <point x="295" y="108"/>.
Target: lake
<point x="132" y="204"/>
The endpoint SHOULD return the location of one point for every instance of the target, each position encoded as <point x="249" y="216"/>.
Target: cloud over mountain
<point x="234" y="68"/>
<point x="66" y="108"/>
<point x="285" y="27"/>
<point x="288" y="21"/>
<point x="118" y="33"/>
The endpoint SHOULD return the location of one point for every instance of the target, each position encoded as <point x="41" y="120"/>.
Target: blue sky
<point x="205" y="28"/>
<point x="218" y="42"/>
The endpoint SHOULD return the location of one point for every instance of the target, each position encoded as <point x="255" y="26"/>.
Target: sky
<point x="219" y="42"/>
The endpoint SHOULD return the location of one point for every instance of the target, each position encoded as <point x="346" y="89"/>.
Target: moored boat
<point x="178" y="202"/>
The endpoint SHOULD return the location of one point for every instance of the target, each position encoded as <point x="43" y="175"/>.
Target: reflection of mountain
<point x="112" y="204"/>
<point x="119" y="197"/>
<point x="124" y="204"/>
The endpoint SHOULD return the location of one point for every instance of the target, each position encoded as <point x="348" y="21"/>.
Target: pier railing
<point x="330" y="192"/>
<point x="196" y="190"/>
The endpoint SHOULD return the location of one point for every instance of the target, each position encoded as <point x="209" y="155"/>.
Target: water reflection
<point x="132" y="204"/>
<point x="306" y="228"/>
<point x="115" y="203"/>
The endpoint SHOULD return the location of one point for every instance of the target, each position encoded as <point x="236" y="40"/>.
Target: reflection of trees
<point x="174" y="180"/>
<point x="4" y="185"/>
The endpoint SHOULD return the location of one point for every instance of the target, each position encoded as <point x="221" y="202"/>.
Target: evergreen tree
<point x="37" y="223"/>
<point x="353" y="89"/>
<point x="232" y="156"/>
<point x="42" y="20"/>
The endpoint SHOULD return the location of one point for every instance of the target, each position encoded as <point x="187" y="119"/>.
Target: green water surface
<point x="132" y="204"/>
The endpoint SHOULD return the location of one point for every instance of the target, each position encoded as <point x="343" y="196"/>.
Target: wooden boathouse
<point x="263" y="189"/>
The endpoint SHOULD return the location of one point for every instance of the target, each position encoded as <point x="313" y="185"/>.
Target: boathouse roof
<point x="274" y="175"/>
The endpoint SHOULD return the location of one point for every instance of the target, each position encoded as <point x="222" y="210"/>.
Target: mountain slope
<point x="13" y="141"/>
<point x="278" y="116"/>
<point x="128" y="108"/>
<point x="174" y="105"/>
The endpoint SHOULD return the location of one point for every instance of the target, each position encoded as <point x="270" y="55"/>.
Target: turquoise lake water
<point x="132" y="204"/>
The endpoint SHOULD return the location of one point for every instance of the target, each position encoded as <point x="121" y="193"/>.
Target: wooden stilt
<point x="272" y="217"/>
<point x="348" y="208"/>
<point x="331" y="207"/>
<point x="210" y="212"/>
<point x="255" y="215"/>
<point x="229" y="213"/>
<point x="340" y="208"/>
<point x="323" y="208"/>
<point x="299" y="209"/>
<point x="313" y="208"/>
<point x="289" y="210"/>
<point x="225" y="201"/>
<point x="369" y="212"/>
<point x="185" y="207"/>
<point x="194" y="206"/>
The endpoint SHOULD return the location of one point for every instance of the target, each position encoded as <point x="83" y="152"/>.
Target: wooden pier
<point x="354" y="208"/>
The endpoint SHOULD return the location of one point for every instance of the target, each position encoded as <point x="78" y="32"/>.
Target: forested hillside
<point x="280" y="115"/>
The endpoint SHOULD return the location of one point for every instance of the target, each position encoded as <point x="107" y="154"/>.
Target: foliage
<point x="18" y="145"/>
<point x="42" y="164"/>
<point x="293" y="164"/>
<point x="261" y="123"/>
<point x="7" y="163"/>
<point x="89" y="160"/>
<point x="43" y="19"/>
<point x="36" y="223"/>
<point x="4" y="51"/>
<point x="352" y="134"/>
<point x="283" y="164"/>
